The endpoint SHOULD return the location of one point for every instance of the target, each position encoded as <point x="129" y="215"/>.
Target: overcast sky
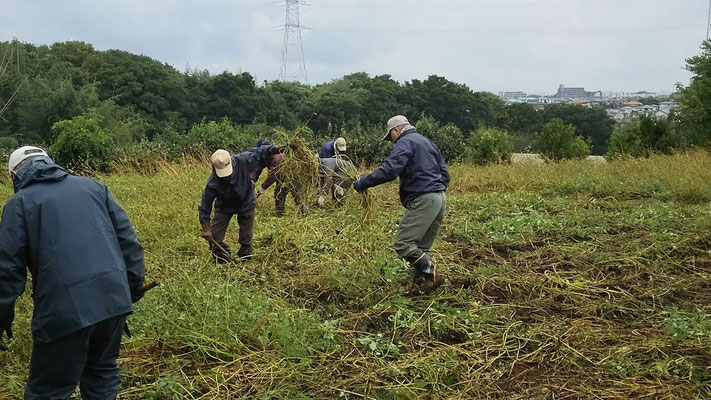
<point x="528" y="45"/>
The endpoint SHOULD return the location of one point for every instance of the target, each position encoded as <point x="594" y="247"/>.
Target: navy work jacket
<point x="418" y="163"/>
<point x="234" y="194"/>
<point x="78" y="244"/>
<point x="328" y="150"/>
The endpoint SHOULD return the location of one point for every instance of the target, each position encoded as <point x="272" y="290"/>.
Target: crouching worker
<point x="87" y="269"/>
<point x="335" y="174"/>
<point x="230" y="188"/>
<point x="423" y="181"/>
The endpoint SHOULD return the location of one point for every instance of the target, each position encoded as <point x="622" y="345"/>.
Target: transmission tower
<point x="708" y="29"/>
<point x="293" y="63"/>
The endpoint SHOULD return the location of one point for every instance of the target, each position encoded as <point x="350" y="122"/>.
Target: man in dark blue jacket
<point x="87" y="269"/>
<point x="231" y="188"/>
<point x="423" y="180"/>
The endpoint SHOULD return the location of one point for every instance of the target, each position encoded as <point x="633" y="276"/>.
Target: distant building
<point x="571" y="93"/>
<point x="512" y="95"/>
<point x="633" y="103"/>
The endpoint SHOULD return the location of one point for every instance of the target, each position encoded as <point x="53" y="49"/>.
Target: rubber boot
<point x="425" y="277"/>
<point x="431" y="282"/>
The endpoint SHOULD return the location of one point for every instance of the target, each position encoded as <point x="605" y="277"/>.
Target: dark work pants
<point x="246" y="228"/>
<point x="281" y="192"/>
<point x="87" y="357"/>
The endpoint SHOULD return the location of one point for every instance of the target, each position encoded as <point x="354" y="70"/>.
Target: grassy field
<point x="570" y="280"/>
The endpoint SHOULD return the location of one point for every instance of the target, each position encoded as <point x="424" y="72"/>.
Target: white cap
<point x="222" y="161"/>
<point x="340" y="145"/>
<point x="22" y="154"/>
<point x="394" y="122"/>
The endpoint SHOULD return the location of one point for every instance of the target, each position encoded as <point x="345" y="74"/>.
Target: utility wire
<point x="502" y="33"/>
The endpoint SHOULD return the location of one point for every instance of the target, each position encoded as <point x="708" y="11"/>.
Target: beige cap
<point x="340" y="145"/>
<point x="394" y="122"/>
<point x="222" y="161"/>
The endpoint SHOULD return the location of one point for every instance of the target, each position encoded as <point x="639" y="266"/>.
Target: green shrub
<point x="208" y="136"/>
<point x="489" y="145"/>
<point x="81" y="142"/>
<point x="626" y="140"/>
<point x="448" y="138"/>
<point x="558" y="141"/>
<point x="9" y="143"/>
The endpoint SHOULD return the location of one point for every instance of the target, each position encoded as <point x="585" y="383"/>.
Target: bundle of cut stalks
<point x="366" y="197"/>
<point x="299" y="168"/>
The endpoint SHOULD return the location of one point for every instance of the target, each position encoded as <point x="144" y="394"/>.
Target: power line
<point x="293" y="62"/>
<point x="506" y="33"/>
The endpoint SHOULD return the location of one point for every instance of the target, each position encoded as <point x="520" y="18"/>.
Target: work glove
<point x="138" y="293"/>
<point x="358" y="186"/>
<point x="260" y="191"/>
<point x="8" y="331"/>
<point x="321" y="200"/>
<point x="207" y="231"/>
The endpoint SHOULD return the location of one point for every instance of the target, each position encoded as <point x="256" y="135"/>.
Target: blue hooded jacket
<point x="418" y="163"/>
<point x="234" y="194"/>
<point x="78" y="244"/>
<point x="328" y="150"/>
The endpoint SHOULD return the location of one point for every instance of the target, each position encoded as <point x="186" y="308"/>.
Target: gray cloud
<point x="530" y="45"/>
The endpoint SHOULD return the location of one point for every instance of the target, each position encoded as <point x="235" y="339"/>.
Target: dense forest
<point x="133" y="98"/>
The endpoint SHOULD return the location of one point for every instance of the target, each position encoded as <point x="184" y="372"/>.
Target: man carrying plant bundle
<point x="333" y="148"/>
<point x="87" y="269"/>
<point x="423" y="181"/>
<point x="232" y="191"/>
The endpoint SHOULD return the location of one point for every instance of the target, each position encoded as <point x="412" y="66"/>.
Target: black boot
<point x="425" y="276"/>
<point x="431" y="282"/>
<point x="244" y="252"/>
<point x="222" y="254"/>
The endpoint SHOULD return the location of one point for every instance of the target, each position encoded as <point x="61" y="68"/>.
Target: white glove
<point x="321" y="200"/>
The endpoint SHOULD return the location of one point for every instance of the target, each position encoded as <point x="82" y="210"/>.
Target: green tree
<point x="695" y="99"/>
<point x="335" y="107"/>
<point x="451" y="102"/>
<point x="524" y="122"/>
<point x="591" y="123"/>
<point x="123" y="124"/>
<point x="558" y="141"/>
<point x="283" y="103"/>
<point x="154" y="89"/>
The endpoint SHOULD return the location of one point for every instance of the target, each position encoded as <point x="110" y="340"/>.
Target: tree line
<point x="134" y="99"/>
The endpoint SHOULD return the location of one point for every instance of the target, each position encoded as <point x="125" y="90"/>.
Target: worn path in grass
<point x="572" y="280"/>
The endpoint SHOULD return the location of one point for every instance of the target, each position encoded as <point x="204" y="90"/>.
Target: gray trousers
<point x="419" y="225"/>
<point x="221" y="221"/>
